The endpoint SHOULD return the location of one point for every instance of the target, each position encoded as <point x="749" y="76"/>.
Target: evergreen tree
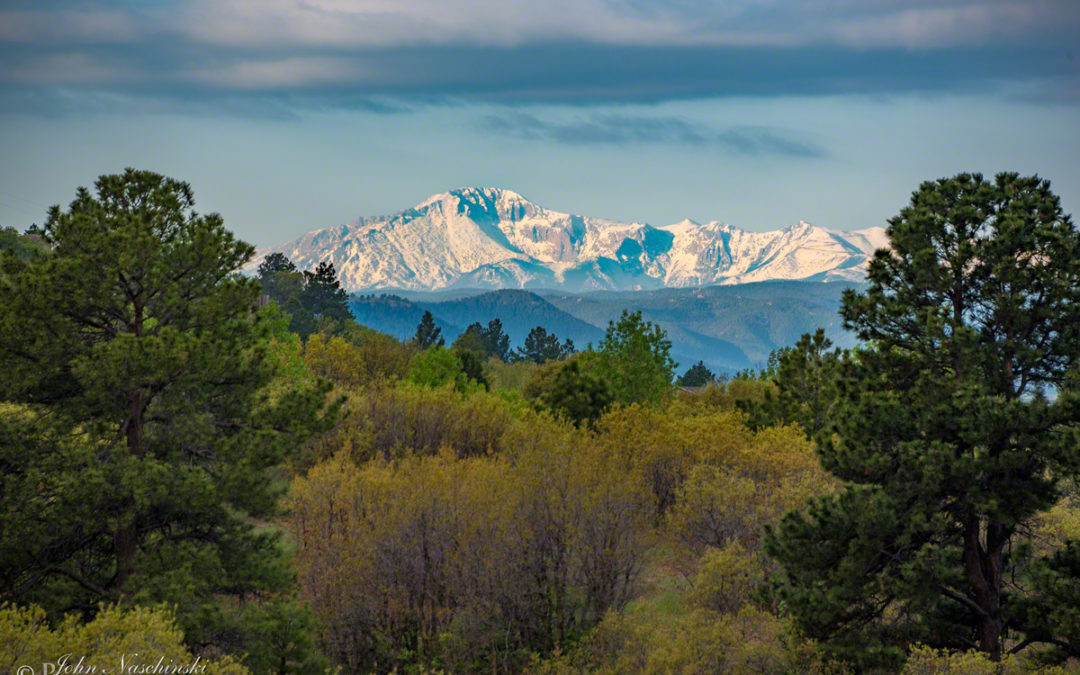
<point x="577" y="394"/>
<point x="279" y="278"/>
<point x="472" y="339"/>
<point x="472" y="365"/>
<point x="698" y="375"/>
<point x="946" y="441"/>
<point x="469" y="348"/>
<point x="541" y="347"/>
<point x="496" y="342"/>
<point x="427" y="333"/>
<point x="567" y="349"/>
<point x="636" y="360"/>
<point x="141" y="435"/>
<point x="323" y="295"/>
<point x="313" y="300"/>
<point x="806" y="379"/>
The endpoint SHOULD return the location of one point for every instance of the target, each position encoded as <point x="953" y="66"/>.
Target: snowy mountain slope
<point x="494" y="238"/>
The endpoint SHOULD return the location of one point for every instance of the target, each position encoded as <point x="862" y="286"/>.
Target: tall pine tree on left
<point x="142" y="420"/>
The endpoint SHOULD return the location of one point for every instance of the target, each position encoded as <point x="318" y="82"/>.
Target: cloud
<point x="67" y="67"/>
<point x="404" y="53"/>
<point x="622" y="129"/>
<point x="80" y="26"/>
<point x="279" y="73"/>
<point x="928" y="27"/>
<point x="609" y="128"/>
<point x="394" y="23"/>
<point x="510" y="23"/>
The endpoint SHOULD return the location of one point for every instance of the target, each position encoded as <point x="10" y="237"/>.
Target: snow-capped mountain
<point x="494" y="238"/>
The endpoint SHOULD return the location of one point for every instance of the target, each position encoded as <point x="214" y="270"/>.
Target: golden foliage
<point x="469" y="531"/>
<point x="754" y="485"/>
<point x="443" y="559"/>
<point x="748" y="641"/>
<point x="370" y="357"/>
<point x="139" y="635"/>
<point x="727" y="578"/>
<point x="392" y="421"/>
<point x="925" y="660"/>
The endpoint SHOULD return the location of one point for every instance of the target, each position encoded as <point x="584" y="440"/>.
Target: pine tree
<point x="577" y="394"/>
<point x="427" y="333"/>
<point x="144" y="435"/>
<point x="279" y="278"/>
<point x="469" y="348"/>
<point x="496" y="342"/>
<point x="806" y="378"/>
<point x="323" y="295"/>
<point x="698" y="375"/>
<point x="540" y="346"/>
<point x="947" y="443"/>
<point x="636" y="359"/>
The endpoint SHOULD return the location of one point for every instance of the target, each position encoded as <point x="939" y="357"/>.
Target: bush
<point x="369" y="356"/>
<point x="925" y="660"/>
<point x="138" y="634"/>
<point x="728" y="578"/>
<point x="465" y="564"/>
<point x="749" y="641"/>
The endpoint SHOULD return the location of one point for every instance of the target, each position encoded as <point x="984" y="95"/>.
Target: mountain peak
<point x="474" y="194"/>
<point x="494" y="238"/>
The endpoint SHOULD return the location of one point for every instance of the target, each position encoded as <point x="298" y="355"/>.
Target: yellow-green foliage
<point x="1058" y="525"/>
<point x="661" y="448"/>
<point x="927" y="661"/>
<point x="398" y="420"/>
<point x="749" y="641"/>
<point x="723" y="396"/>
<point x="371" y="356"/>
<point x="466" y="531"/>
<point x="140" y="635"/>
<point x="541" y="377"/>
<point x="727" y="578"/>
<point x="514" y="376"/>
<point x="774" y="471"/>
<point x="472" y="562"/>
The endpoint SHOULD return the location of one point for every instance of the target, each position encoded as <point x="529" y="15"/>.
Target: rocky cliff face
<point x="493" y="238"/>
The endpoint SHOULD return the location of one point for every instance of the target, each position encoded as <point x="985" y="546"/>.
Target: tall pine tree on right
<point x="957" y="425"/>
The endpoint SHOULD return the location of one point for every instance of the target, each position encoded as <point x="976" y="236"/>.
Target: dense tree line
<point x="313" y="299"/>
<point x="274" y="488"/>
<point x="144" y="416"/>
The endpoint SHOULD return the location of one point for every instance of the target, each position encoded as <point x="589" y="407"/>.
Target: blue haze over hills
<point x="728" y="327"/>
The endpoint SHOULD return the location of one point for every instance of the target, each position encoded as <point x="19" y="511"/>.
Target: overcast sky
<point x="292" y="115"/>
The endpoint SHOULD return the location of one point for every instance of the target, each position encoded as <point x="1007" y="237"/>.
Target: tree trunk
<point x="125" y="541"/>
<point x="982" y="566"/>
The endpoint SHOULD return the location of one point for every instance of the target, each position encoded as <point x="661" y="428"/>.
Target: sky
<point x="287" y="116"/>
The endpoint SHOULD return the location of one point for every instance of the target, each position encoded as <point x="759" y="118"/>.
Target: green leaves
<point x="636" y="360"/>
<point x="153" y="416"/>
<point x="970" y="314"/>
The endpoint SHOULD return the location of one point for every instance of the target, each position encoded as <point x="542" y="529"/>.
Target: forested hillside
<point x="731" y="328"/>
<point x="202" y="465"/>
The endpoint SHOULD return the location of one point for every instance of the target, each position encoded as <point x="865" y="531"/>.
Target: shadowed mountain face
<point x="487" y="238"/>
<point x="728" y="327"/>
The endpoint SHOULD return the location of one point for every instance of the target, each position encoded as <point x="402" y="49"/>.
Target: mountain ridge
<point x="492" y="238"/>
<point x="730" y="327"/>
